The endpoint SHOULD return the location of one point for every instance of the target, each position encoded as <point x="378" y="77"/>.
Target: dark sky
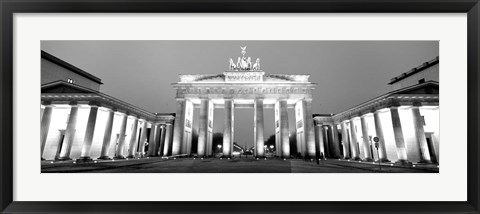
<point x="347" y="72"/>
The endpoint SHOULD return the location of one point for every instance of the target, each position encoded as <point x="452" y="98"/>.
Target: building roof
<point x="70" y="67"/>
<point x="426" y="91"/>
<point x="415" y="70"/>
<point x="61" y="90"/>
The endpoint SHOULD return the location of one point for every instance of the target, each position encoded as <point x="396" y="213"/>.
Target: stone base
<point x="357" y="159"/>
<point x="63" y="159"/>
<point x="104" y="158"/>
<point x="385" y="161"/>
<point x="403" y="162"/>
<point x="119" y="157"/>
<point x="130" y="156"/>
<point x="368" y="160"/>
<point x="425" y="162"/>
<point x="84" y="160"/>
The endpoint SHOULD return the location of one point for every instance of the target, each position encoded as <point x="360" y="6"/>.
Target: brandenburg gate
<point x="243" y="85"/>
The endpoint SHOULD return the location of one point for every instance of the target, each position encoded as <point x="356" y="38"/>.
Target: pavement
<point x="233" y="165"/>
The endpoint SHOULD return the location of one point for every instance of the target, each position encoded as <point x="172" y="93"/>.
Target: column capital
<point x="132" y="115"/>
<point x="109" y="109"/>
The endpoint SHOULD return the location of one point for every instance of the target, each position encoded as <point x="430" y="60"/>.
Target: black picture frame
<point x="10" y="7"/>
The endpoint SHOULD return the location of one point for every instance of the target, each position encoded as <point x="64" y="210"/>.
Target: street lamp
<point x="219" y="148"/>
<point x="271" y="149"/>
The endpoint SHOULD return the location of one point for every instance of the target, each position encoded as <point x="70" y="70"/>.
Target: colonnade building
<point x="405" y="122"/>
<point x="79" y="122"/>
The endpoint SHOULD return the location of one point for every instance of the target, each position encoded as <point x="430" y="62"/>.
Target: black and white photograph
<point x="232" y="106"/>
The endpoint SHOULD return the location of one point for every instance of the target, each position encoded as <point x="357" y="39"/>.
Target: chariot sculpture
<point x="244" y="63"/>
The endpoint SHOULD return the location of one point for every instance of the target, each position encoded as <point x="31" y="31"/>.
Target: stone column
<point x="346" y="145"/>
<point x="203" y="127"/>
<point x="45" y="126"/>
<point x="326" y="141"/>
<point x="336" y="146"/>
<point x="88" y="139"/>
<point x="309" y="132"/>
<point x="158" y="134"/>
<point x="278" y="136"/>
<point x="418" y="124"/>
<point x="168" y="139"/>
<point x="321" y="144"/>
<point x="381" y="143"/>
<point x="284" y="130"/>
<point x="399" y="140"/>
<point x="179" y="129"/>
<point x="353" y="142"/>
<point x="258" y="128"/>
<point x="228" y="128"/>
<point x="366" y="139"/>
<point x="143" y="139"/>
<point x="162" y="139"/>
<point x="121" y="138"/>
<point x="133" y="139"/>
<point x="151" y="140"/>
<point x="107" y="136"/>
<point x="69" y="133"/>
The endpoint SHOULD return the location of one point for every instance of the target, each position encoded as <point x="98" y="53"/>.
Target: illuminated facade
<point x="405" y="122"/>
<point x="244" y="85"/>
<point x="79" y="122"/>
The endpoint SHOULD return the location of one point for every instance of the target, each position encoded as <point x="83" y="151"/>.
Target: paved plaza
<point x="234" y="165"/>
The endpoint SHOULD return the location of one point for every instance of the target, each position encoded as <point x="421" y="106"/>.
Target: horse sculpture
<point x="256" y="66"/>
<point x="232" y="65"/>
